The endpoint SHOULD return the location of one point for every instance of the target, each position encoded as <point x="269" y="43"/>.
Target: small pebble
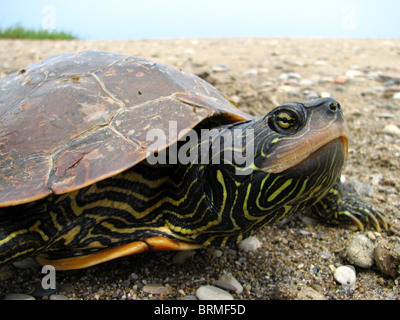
<point x="228" y="282"/>
<point x="58" y="297"/>
<point x="156" y="289"/>
<point x="340" y="80"/>
<point x="212" y="293"/>
<point x="310" y="294"/>
<point x="352" y="74"/>
<point x="325" y="94"/>
<point x="360" y="251"/>
<point x="386" y="116"/>
<point x="306" y="83"/>
<point x="368" y="94"/>
<point x="392" y="130"/>
<point x="325" y="254"/>
<point x="182" y="256"/>
<point x="308" y="220"/>
<point x="250" y="244"/>
<point x="376" y="178"/>
<point x="25" y="264"/>
<point x="345" y="275"/>
<point x="389" y="83"/>
<point x="392" y="92"/>
<point x="305" y="233"/>
<point x="67" y="287"/>
<point x="250" y="73"/>
<point x="134" y="276"/>
<point x="340" y="88"/>
<point x="294" y="75"/>
<point x="387" y="257"/>
<point x="388" y="107"/>
<point x="125" y="283"/>
<point x="18" y="296"/>
<point x="310" y="95"/>
<point x="6" y="273"/>
<point x="361" y="188"/>
<point x="220" y="68"/>
<point x="236" y="99"/>
<point x="267" y="84"/>
<point x="215" y="252"/>
<point x="283" y="76"/>
<point x="320" y="63"/>
<point x="41" y="292"/>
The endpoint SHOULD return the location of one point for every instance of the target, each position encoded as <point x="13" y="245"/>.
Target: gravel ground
<point x="296" y="259"/>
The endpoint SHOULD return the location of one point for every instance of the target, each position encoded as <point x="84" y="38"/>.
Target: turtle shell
<point x="77" y="118"/>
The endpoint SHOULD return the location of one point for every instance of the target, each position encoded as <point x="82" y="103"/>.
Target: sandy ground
<point x="299" y="256"/>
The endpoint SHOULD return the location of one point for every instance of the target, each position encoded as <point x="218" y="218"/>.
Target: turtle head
<point x="300" y="133"/>
<point x="299" y="150"/>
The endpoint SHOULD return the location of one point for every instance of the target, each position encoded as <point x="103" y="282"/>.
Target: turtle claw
<point x="377" y="220"/>
<point x="368" y="215"/>
<point x="355" y="221"/>
<point x="343" y="205"/>
<point x="381" y="217"/>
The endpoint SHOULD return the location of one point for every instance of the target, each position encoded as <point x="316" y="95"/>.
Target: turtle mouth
<point x="334" y="150"/>
<point x="332" y="155"/>
<point x="292" y="153"/>
<point x="345" y="143"/>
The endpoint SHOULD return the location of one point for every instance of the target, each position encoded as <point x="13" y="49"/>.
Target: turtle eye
<point x="284" y="121"/>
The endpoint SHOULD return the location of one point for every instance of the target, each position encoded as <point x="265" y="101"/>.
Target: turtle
<point x="104" y="155"/>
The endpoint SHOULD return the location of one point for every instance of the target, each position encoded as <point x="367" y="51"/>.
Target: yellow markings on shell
<point x="170" y="227"/>
<point x="139" y="178"/>
<point x="179" y="229"/>
<point x="53" y="217"/>
<point x="220" y="179"/>
<point x="260" y="193"/>
<point x="211" y="223"/>
<point x="78" y="210"/>
<point x="287" y="209"/>
<point x="245" y="207"/>
<point x="13" y="235"/>
<point x="316" y="189"/>
<point x="303" y="187"/>
<point x="129" y="192"/>
<point x="71" y="235"/>
<point x="236" y="227"/>
<point x="111" y="227"/>
<point x="34" y="228"/>
<point x="334" y="191"/>
<point x="274" y="194"/>
<point x="279" y="190"/>
<point x="19" y="253"/>
<point x="95" y="244"/>
<point x="178" y="202"/>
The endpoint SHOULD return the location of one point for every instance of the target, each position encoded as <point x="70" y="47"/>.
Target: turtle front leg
<point x="342" y="204"/>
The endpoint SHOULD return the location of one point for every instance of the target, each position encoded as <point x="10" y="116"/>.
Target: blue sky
<point x="149" y="19"/>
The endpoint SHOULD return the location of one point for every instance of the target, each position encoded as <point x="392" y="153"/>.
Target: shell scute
<point x="77" y="118"/>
